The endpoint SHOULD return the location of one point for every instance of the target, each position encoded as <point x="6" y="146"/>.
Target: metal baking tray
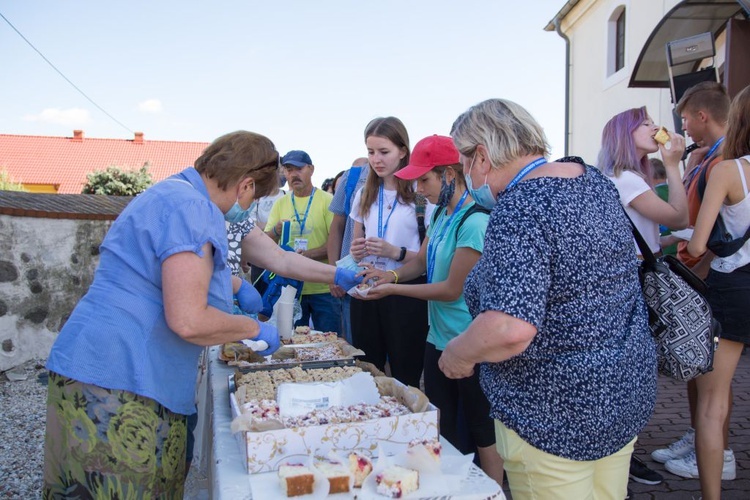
<point x="305" y="365"/>
<point x="291" y="364"/>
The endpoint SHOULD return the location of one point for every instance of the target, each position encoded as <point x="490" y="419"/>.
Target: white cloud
<point x="73" y="117"/>
<point x="150" y="106"/>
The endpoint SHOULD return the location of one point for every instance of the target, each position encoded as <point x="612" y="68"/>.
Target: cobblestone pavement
<point x="669" y="422"/>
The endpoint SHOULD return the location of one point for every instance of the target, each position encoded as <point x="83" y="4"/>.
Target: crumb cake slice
<point x="337" y="475"/>
<point x="360" y="466"/>
<point x="296" y="480"/>
<point x="396" y="481"/>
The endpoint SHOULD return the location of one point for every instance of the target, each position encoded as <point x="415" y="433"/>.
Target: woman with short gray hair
<point x="560" y="325"/>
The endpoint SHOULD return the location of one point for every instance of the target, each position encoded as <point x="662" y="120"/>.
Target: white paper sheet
<point x="683" y="234"/>
<point x="297" y="399"/>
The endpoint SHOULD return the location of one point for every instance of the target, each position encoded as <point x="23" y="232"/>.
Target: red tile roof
<point x="65" y="161"/>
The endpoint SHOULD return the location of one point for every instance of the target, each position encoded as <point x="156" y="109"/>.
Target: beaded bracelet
<point x="395" y="276"/>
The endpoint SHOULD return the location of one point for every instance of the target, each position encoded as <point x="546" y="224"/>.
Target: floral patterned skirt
<point x="104" y="443"/>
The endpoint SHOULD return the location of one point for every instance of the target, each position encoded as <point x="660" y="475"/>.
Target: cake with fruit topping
<point x="432" y="446"/>
<point x="396" y="481"/>
<point x="337" y="475"/>
<point x="360" y="466"/>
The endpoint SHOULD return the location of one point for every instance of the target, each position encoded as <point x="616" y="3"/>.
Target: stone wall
<point x="46" y="265"/>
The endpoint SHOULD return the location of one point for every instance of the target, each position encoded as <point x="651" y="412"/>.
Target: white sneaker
<point x="729" y="470"/>
<point x="688" y="466"/>
<point x="679" y="449"/>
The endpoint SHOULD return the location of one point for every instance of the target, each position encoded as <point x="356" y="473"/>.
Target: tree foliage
<point x="8" y="184"/>
<point x="118" y="182"/>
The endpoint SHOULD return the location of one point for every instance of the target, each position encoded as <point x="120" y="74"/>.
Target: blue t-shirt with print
<point x="558" y="254"/>
<point x="338" y="206"/>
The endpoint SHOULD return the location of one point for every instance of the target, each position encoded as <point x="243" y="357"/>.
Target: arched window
<point x="616" y="39"/>
<point x="620" y="41"/>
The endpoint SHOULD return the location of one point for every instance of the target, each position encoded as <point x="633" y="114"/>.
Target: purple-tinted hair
<point x="618" y="151"/>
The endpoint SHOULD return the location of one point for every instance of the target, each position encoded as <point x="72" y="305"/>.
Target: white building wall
<point x="596" y="96"/>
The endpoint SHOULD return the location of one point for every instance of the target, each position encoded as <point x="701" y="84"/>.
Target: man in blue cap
<point x="306" y="210"/>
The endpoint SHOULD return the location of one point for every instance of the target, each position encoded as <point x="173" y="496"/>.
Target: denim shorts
<point x="729" y="297"/>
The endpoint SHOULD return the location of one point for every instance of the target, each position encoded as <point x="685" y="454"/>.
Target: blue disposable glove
<point x="346" y="278"/>
<point x="270" y="335"/>
<point x="248" y="298"/>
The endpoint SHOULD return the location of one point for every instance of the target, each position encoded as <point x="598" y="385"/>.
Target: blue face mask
<point x="446" y="191"/>
<point x="482" y="195"/>
<point x="236" y="213"/>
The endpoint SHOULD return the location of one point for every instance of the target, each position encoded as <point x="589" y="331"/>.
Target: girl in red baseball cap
<point x="454" y="243"/>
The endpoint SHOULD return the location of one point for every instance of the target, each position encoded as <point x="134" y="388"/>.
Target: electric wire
<point x="65" y="77"/>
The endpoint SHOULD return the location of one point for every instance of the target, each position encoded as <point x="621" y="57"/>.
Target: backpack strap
<point x="475" y="208"/>
<point x="351" y="184"/>
<point x="436" y="213"/>
<point x="420" y="202"/>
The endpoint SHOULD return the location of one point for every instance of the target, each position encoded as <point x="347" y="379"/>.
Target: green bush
<point x="118" y="182"/>
<point x="8" y="184"/>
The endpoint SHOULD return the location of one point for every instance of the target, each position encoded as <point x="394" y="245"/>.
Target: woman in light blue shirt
<point x="453" y="245"/>
<point x="123" y="368"/>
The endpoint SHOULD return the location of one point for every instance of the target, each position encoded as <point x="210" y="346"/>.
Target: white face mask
<point x="482" y="195"/>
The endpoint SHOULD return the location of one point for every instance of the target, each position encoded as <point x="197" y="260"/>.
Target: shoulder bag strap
<point x="646" y="253"/>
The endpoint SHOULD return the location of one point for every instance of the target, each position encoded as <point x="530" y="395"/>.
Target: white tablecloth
<point x="228" y="479"/>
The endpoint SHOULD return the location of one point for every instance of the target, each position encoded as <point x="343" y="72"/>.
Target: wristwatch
<point x="402" y="255"/>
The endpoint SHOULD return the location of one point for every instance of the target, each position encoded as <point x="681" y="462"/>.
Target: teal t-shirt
<point x="449" y="319"/>
<point x="663" y="191"/>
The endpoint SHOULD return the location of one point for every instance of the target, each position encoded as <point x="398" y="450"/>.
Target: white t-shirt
<point x="262" y="208"/>
<point x="737" y="220"/>
<point x="399" y="223"/>
<point x="630" y="186"/>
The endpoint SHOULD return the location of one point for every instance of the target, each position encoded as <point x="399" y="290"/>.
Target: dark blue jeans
<point x="345" y="303"/>
<point x="325" y="311"/>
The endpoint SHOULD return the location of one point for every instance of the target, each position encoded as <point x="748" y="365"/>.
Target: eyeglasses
<point x="271" y="164"/>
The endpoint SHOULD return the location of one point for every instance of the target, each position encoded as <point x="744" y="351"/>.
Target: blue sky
<point x="308" y="74"/>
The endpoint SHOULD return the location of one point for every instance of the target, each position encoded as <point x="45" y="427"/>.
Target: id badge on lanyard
<point x="300" y="244"/>
<point x="380" y="262"/>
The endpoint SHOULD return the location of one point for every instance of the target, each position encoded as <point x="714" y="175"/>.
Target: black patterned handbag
<point x="679" y="315"/>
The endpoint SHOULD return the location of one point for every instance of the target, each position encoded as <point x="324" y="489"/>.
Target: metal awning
<point x="687" y="18"/>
